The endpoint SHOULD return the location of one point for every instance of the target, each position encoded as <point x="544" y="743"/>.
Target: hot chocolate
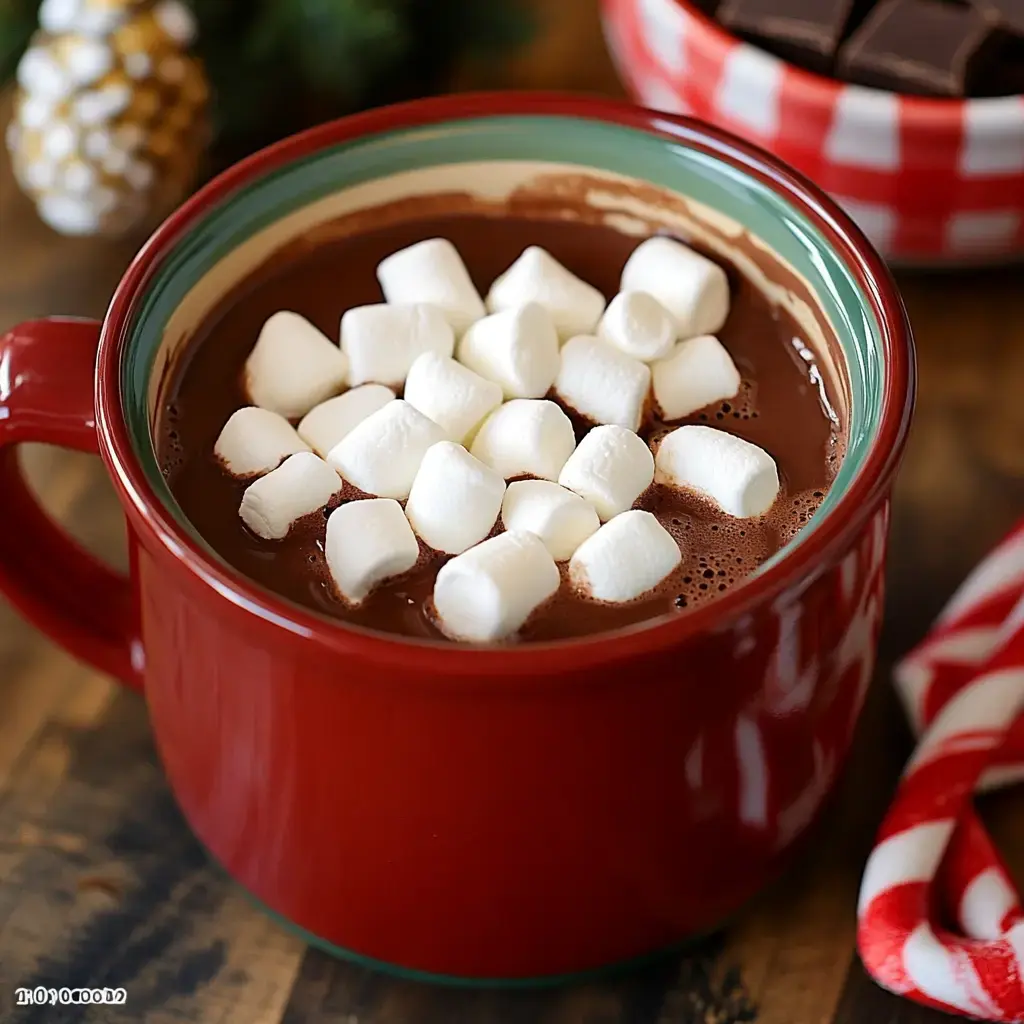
<point x="782" y="404"/>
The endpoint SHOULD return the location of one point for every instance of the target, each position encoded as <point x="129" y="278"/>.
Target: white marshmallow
<point x="525" y="437"/>
<point x="382" y="342"/>
<point x="562" y="519"/>
<point x="382" y="455"/>
<point x="432" y="271"/>
<point x="293" y="366"/>
<point x="611" y="468"/>
<point x="327" y="423"/>
<point x="691" y="287"/>
<point x="698" y="372"/>
<point x="489" y="591"/>
<point x="455" y="499"/>
<point x="602" y="383"/>
<point x="639" y="325"/>
<point x="451" y="394"/>
<point x="300" y="485"/>
<point x="368" y="542"/>
<point x="630" y="555"/>
<point x="255" y="441"/>
<point x="574" y="305"/>
<point x="517" y="348"/>
<point x="739" y="477"/>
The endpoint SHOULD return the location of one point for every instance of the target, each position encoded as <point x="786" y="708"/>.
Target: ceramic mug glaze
<point x="486" y="814"/>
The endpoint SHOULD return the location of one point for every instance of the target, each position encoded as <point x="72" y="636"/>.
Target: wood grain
<point x="102" y="883"/>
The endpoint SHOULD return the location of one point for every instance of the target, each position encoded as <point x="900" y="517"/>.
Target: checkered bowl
<point x="933" y="182"/>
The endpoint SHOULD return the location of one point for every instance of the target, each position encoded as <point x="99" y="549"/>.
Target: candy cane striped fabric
<point x="963" y="689"/>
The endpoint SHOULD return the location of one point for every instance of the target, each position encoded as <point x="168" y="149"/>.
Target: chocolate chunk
<point x="1007" y="15"/>
<point x="807" y="32"/>
<point x="924" y="47"/>
<point x="1003" y="73"/>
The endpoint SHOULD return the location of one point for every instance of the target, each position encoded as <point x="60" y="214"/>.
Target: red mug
<point x="480" y="814"/>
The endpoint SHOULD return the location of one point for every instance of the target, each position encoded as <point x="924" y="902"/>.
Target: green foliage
<point x="278" y="65"/>
<point x="17" y="23"/>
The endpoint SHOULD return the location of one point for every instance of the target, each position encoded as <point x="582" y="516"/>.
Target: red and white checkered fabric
<point x="939" y="919"/>
<point x="929" y="181"/>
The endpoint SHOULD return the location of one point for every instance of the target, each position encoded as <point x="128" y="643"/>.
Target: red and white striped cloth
<point x="939" y="919"/>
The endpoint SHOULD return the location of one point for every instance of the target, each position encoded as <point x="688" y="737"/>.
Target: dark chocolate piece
<point x="807" y="32"/>
<point x="924" y="47"/>
<point x="1003" y="73"/>
<point x="1007" y="15"/>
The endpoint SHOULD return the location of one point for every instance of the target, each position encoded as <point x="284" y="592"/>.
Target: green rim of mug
<point x="546" y="981"/>
<point x="602" y="146"/>
<point x="604" y="973"/>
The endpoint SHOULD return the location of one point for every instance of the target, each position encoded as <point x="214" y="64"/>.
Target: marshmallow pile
<point x="448" y="411"/>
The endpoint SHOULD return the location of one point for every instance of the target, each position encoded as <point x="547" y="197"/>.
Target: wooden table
<point x="102" y="884"/>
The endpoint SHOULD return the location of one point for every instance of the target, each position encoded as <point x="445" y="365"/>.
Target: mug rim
<point x="799" y="566"/>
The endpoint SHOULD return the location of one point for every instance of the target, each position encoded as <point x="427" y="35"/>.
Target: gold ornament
<point x="109" y="122"/>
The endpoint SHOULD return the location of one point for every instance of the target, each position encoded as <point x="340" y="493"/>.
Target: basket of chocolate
<point x="909" y="112"/>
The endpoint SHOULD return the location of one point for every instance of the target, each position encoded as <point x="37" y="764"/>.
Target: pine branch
<point x="18" y="19"/>
<point x="345" y="46"/>
<point x="487" y="28"/>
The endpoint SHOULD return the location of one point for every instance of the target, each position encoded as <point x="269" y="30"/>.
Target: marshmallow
<point x="698" y="372"/>
<point x="611" y="468"/>
<point x="691" y="287"/>
<point x="451" y="394"/>
<point x="574" y="306"/>
<point x="455" y="499"/>
<point x="300" y="485"/>
<point x="382" y="455"/>
<point x="525" y="437"/>
<point x="738" y="476"/>
<point x="639" y="325"/>
<point x="602" y="383"/>
<point x="382" y="342"/>
<point x="432" y="271"/>
<point x="562" y="519"/>
<point x="367" y="542"/>
<point x="327" y="423"/>
<point x="489" y="591"/>
<point x="255" y="441"/>
<point x="517" y="348"/>
<point x="293" y="366"/>
<point x="630" y="555"/>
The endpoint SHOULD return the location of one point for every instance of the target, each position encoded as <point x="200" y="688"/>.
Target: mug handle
<point x="47" y="368"/>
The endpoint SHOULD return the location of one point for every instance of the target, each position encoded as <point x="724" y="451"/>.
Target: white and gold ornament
<point x="109" y="121"/>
